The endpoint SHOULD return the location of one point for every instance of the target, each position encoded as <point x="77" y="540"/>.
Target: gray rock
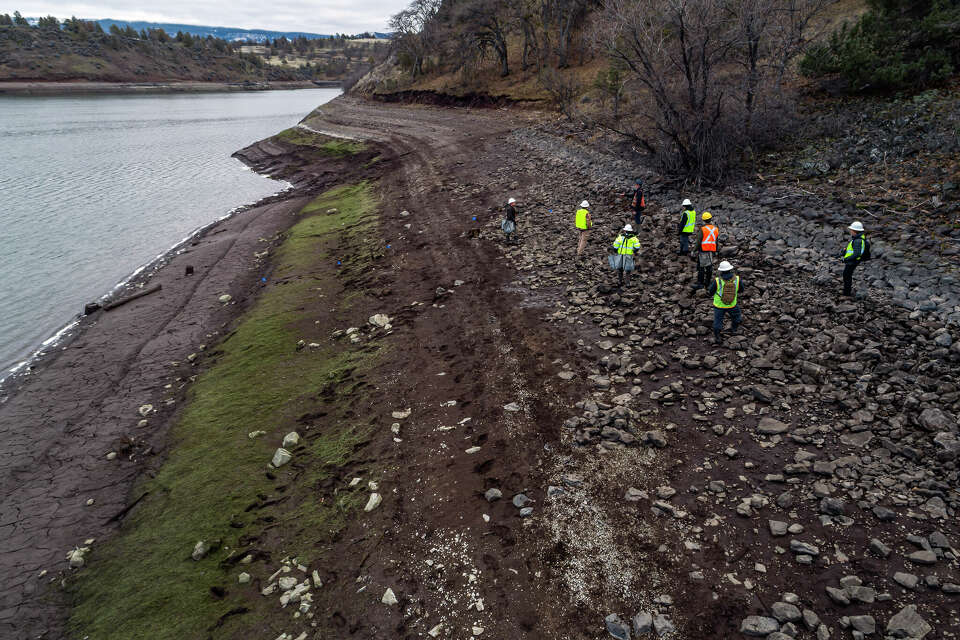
<point x="777" y="528"/>
<point x="838" y="595"/>
<point x="642" y="623"/>
<point x="879" y="548"/>
<point x="769" y="427"/>
<point x="617" y="627"/>
<point x="200" y="550"/>
<point x="493" y="494"/>
<point x="520" y="501"/>
<point x="923" y="557"/>
<point x="663" y="626"/>
<point x="864" y="624"/>
<point x="908" y="624"/>
<point x="811" y="619"/>
<point x="933" y="419"/>
<point x="804" y="547"/>
<point x="785" y="612"/>
<point x="906" y="580"/>
<point x="759" y="626"/>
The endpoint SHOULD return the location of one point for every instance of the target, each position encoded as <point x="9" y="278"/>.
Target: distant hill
<point x="229" y="34"/>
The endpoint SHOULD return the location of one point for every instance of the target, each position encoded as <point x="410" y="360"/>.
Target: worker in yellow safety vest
<point x="726" y="291"/>
<point x="584" y="223"/>
<point x="706" y="250"/>
<point x="625" y="245"/>
<point x="686" y="226"/>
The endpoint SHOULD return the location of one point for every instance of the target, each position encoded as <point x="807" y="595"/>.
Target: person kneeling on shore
<point x="726" y="298"/>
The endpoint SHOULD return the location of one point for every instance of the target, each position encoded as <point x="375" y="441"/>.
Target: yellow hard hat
<point x="706" y="215"/>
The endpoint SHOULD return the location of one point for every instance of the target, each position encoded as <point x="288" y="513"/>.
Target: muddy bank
<point x="75" y="430"/>
<point x="41" y="88"/>
<point x="440" y="99"/>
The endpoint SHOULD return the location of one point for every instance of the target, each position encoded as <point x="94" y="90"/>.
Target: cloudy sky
<point x="317" y="16"/>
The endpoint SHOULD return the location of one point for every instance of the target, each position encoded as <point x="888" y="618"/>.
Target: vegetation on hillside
<point x="77" y="49"/>
<point x="896" y="45"/>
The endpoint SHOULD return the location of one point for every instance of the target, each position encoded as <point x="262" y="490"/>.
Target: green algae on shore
<point x="215" y="485"/>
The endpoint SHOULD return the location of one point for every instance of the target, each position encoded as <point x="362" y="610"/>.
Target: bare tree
<point x="489" y="23"/>
<point x="412" y="32"/>
<point x="702" y="72"/>
<point x="559" y="17"/>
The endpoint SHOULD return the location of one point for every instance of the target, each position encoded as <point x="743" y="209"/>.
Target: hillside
<point x="83" y="51"/>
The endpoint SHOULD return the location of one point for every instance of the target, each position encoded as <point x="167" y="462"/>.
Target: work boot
<point x="717" y="339"/>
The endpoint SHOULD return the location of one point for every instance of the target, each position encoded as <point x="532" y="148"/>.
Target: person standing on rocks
<point x="509" y="224"/>
<point x="584" y="223"/>
<point x="686" y="226"/>
<point x="709" y="246"/>
<point x="637" y="202"/>
<point x="726" y="299"/>
<point x="858" y="249"/>
<point x="625" y="245"/>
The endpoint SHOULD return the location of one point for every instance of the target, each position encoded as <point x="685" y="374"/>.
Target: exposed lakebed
<point x="93" y="187"/>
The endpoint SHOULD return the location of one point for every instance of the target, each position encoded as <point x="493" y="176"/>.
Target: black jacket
<point x="511" y="213"/>
<point x="636" y="199"/>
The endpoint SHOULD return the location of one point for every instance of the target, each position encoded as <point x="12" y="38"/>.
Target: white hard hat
<point x="512" y="201"/>
<point x="585" y="204"/>
<point x="686" y="203"/>
<point x="856" y="226"/>
<point x="628" y="228"/>
<point x="725" y="266"/>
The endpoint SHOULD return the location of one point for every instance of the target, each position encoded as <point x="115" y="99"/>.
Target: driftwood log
<point x="108" y="306"/>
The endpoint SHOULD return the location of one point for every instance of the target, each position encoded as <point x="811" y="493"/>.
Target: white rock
<point x="400" y="415"/>
<point x="379" y="320"/>
<point x="477" y="631"/>
<point x="269" y="589"/>
<point x="473" y="450"/>
<point x="112" y="455"/>
<point x="281" y="457"/>
<point x="372" y="485"/>
<point x="225" y="298"/>
<point x="90" y="502"/>
<point x="513" y="406"/>
<point x="317" y="582"/>
<point x="355" y="482"/>
<point x="145" y="409"/>
<point x="389" y="598"/>
<point x="287" y="582"/>
<point x="373" y="502"/>
<point x="200" y="550"/>
<point x="291" y="440"/>
<point x="256" y="434"/>
<point x="243" y="578"/>
<point x="436" y="631"/>
<point x="395" y="427"/>
<point x="76" y="558"/>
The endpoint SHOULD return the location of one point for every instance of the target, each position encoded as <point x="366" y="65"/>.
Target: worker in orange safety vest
<point x="707" y="250"/>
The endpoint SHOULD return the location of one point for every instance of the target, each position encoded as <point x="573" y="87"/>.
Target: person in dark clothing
<point x="637" y="202"/>
<point x="509" y="224"/>
<point x="858" y="249"/>
<point x="686" y="227"/>
<point x="726" y="292"/>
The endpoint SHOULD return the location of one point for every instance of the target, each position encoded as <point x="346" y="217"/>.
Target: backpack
<point x="729" y="290"/>
<point x="866" y="250"/>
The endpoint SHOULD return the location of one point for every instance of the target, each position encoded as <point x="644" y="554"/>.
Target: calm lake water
<point x="93" y="187"/>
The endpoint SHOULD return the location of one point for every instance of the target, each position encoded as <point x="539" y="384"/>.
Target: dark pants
<point x="703" y="275"/>
<point x="848" y="270"/>
<point x="718" y="314"/>
<point x="638" y="219"/>
<point x="685" y="243"/>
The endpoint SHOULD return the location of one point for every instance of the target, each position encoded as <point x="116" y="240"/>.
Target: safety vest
<point x="626" y="245"/>
<point x="718" y="296"/>
<point x="709" y="241"/>
<point x="691" y="221"/>
<point x="582" y="219"/>
<point x="863" y="245"/>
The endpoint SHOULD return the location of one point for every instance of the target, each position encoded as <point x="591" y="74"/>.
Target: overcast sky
<point x="318" y="16"/>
